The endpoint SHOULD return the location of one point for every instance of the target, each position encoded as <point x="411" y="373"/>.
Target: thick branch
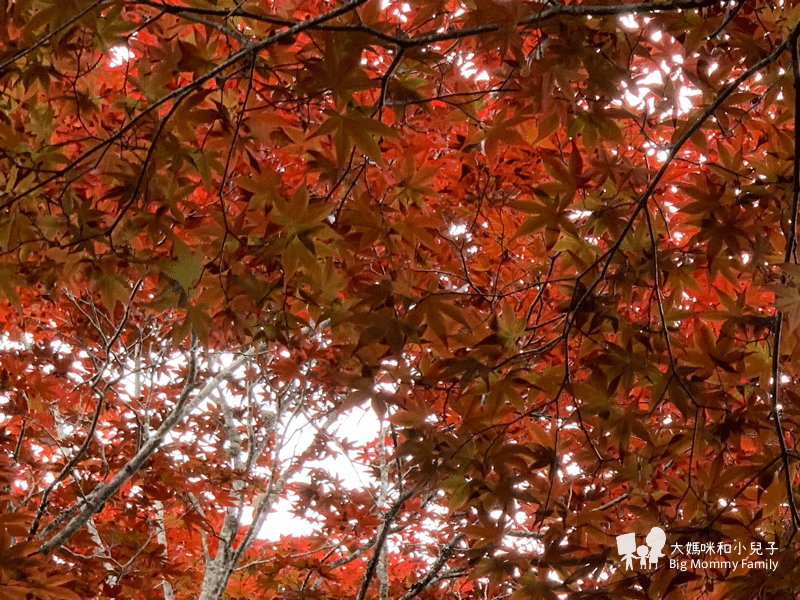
<point x="562" y="10"/>
<point x="559" y="10"/>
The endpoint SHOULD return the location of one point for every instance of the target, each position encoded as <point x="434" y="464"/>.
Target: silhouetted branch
<point x="383" y="533"/>
<point x="429" y="578"/>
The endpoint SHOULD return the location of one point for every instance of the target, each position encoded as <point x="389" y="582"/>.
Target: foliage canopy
<point x="551" y="246"/>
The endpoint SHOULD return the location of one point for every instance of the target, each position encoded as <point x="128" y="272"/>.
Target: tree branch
<point x="103" y="492"/>
<point x="383" y="533"/>
<point x="178" y="93"/>
<point x="429" y="578"/>
<point x="46" y="38"/>
<point x="791" y="242"/>
<point x="641" y="203"/>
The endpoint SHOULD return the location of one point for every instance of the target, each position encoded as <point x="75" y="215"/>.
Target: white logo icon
<point x="626" y="546"/>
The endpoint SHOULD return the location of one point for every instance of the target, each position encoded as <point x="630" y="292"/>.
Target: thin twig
<point x="791" y="242"/>
<point x="730" y="15"/>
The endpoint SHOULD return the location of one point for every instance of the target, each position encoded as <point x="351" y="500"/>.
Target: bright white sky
<point x="359" y="425"/>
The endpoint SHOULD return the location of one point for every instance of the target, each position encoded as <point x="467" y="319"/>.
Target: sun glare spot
<point x="629" y="22"/>
<point x="120" y="55"/>
<point x="457" y="229"/>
